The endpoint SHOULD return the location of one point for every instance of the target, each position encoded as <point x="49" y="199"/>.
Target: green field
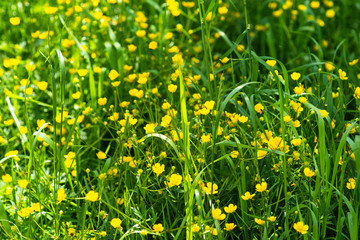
<point x="169" y="119"/>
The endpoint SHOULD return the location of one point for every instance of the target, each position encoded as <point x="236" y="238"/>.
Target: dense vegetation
<point x="142" y="119"/>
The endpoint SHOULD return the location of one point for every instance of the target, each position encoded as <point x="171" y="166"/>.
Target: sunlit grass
<point x="141" y="119"/>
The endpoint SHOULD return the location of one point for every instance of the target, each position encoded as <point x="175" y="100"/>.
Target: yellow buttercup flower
<point x="102" y="101"/>
<point x="175" y="180"/>
<point x="23" y="183"/>
<point x="261" y="187"/>
<point x="217" y="214"/>
<point x="6" y="178"/>
<point x="271" y="63"/>
<point x="42" y="85"/>
<point x="300" y="227"/>
<point x="116" y="222"/>
<point x="259" y="221"/>
<point x="308" y="172"/>
<point x="247" y="196"/>
<point x="158" y="168"/>
<point x="229" y="226"/>
<point x="92" y="196"/>
<point x="211" y="188"/>
<point x="351" y="184"/>
<point x="101" y="155"/>
<point x="150" y="127"/>
<point x="158" y="227"/>
<point x="15" y="21"/>
<point x="342" y="75"/>
<point x="61" y="195"/>
<point x="172" y="88"/>
<point x="113" y="74"/>
<point x="153" y="45"/>
<point x="324" y="113"/>
<point x="295" y="76"/>
<point x="231" y="208"/>
<point x="271" y="218"/>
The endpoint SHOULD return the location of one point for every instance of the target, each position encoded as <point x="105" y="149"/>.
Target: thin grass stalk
<point x="189" y="198"/>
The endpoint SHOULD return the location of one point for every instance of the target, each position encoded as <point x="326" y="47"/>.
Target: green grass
<point x="168" y="162"/>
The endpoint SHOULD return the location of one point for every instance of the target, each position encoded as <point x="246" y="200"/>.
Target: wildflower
<point x="276" y="143"/>
<point x="353" y="130"/>
<point x="140" y="33"/>
<point x="101" y="155"/>
<point x="175" y="180"/>
<point x="271" y="63"/>
<point x="259" y="108"/>
<point x="113" y="74"/>
<point x="36" y="207"/>
<point x="172" y="88"/>
<point x="136" y="93"/>
<point x="271" y="218"/>
<point x="144" y="232"/>
<point x="92" y="196"/>
<point x="229" y="226"/>
<point x="115" y="222"/>
<point x="9" y="122"/>
<point x="357" y="93"/>
<point x="205" y="138"/>
<point x="330" y="13"/>
<point x="324" y="113"/>
<point x="153" y="45"/>
<point x="158" y="168"/>
<point x="351" y="184"/>
<point x="24" y="212"/>
<point x="30" y="67"/>
<point x="6" y="178"/>
<point x="71" y="232"/>
<point x="165" y="121"/>
<point x="353" y="62"/>
<point x="314" y="4"/>
<point x="150" y="128"/>
<point x="234" y="154"/>
<point x="76" y="95"/>
<point x="29" y="91"/>
<point x="224" y="60"/>
<point x="60" y="195"/>
<point x="23" y="183"/>
<point x="308" y="172"/>
<point x="217" y="214"/>
<point x="231" y="208"/>
<point x="168" y="35"/>
<point x="259" y="221"/>
<point x="303" y="99"/>
<point x="158" y="227"/>
<point x="295" y="76"/>
<point x="261" y="187"/>
<point x="342" y="75"/>
<point x="300" y="227"/>
<point x="132" y="48"/>
<point x="15" y="21"/>
<point x="211" y="188"/>
<point x="50" y="10"/>
<point x="296" y="142"/>
<point x="195" y="228"/>
<point x="102" y="101"/>
<point x="243" y="119"/>
<point x="287" y="118"/>
<point x="82" y="72"/>
<point x="247" y="196"/>
<point x="299" y="90"/>
<point x="261" y="154"/>
<point x="23" y="130"/>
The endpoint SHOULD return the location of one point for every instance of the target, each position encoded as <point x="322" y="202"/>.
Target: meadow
<point x="169" y="119"/>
